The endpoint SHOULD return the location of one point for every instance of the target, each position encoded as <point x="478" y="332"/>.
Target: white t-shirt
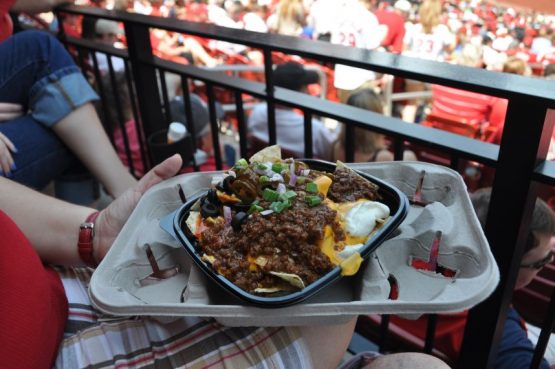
<point x="430" y="46"/>
<point x="354" y="25"/>
<point x="117" y="63"/>
<point x="321" y="16"/>
<point x="290" y="131"/>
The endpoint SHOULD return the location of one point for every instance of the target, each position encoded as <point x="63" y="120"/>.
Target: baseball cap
<point x="294" y="76"/>
<point x="104" y="27"/>
<point x="402" y="5"/>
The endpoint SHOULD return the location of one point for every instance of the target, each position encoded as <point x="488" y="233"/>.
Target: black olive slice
<point x="209" y="210"/>
<point x="238" y="219"/>
<point x="212" y="197"/>
<point x="226" y="185"/>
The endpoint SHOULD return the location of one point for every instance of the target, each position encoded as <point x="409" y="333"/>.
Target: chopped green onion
<point x="288" y="195"/>
<point x="241" y="164"/>
<point x="279" y="206"/>
<point x="313" y="200"/>
<point x="263" y="179"/>
<point x="311" y="187"/>
<point x="278" y="167"/>
<point x="261" y="167"/>
<point x="255" y="208"/>
<point x="270" y="195"/>
<point x="301" y="180"/>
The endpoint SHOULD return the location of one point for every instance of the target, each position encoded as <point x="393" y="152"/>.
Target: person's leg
<point x="41" y="156"/>
<point x="199" y="53"/>
<point x="83" y="133"/>
<point x="327" y="343"/>
<point x="406" y="360"/>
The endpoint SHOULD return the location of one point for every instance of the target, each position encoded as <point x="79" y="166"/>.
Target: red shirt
<point x="6" y="25"/>
<point x="33" y="307"/>
<point x="395" y="23"/>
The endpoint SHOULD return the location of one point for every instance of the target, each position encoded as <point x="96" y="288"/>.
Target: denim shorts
<point x="37" y="72"/>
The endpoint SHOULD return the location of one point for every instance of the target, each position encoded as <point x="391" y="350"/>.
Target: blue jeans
<point x="37" y="72"/>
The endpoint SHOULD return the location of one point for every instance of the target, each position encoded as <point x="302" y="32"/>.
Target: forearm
<point x="51" y="225"/>
<point x="34" y="6"/>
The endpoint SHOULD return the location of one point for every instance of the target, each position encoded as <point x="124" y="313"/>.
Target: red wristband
<point x="85" y="243"/>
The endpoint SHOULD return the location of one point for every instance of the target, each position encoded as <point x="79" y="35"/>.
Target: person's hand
<point x="111" y="220"/>
<point x="9" y="111"/>
<point x="6" y="159"/>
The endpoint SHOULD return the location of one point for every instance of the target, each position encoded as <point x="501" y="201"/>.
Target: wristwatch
<point x="85" y="243"/>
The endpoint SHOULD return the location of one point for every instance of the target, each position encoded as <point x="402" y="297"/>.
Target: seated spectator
<point x="289" y="123"/>
<point x="515" y="349"/>
<point x="106" y="32"/>
<point x="120" y="93"/>
<point x="204" y="156"/>
<point x="50" y="109"/>
<point x="467" y="106"/>
<point x="180" y="48"/>
<point x="369" y="146"/>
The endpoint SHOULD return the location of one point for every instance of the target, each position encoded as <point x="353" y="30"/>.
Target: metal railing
<point x="519" y="161"/>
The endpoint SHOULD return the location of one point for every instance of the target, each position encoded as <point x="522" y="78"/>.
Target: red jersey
<point x="395" y="23"/>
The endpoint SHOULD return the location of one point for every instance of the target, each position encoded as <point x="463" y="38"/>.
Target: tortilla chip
<point x="270" y="153"/>
<point x="193" y="221"/>
<point x="274" y="289"/>
<point x="292" y="279"/>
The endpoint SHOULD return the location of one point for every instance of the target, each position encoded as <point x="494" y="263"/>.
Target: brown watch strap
<point x="85" y="243"/>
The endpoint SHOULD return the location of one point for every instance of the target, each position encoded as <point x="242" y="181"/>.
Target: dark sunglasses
<point x="540" y="263"/>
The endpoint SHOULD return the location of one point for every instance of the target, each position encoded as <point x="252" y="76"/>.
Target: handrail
<point x="482" y="81"/>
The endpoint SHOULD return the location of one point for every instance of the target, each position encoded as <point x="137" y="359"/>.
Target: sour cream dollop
<point x="361" y="219"/>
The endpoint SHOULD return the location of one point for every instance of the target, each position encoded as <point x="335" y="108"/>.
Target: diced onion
<point x="281" y="188"/>
<point x="227" y="215"/>
<point x="276" y="178"/>
<point x="266" y="212"/>
<point x="305" y="172"/>
<point x="292" y="180"/>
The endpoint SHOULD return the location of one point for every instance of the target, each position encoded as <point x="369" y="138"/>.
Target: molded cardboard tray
<point x="467" y="271"/>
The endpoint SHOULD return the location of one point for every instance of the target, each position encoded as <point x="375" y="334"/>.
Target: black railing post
<point x="146" y="86"/>
<point x="241" y="124"/>
<point x="269" y="76"/>
<point x="507" y="224"/>
<point x="308" y="149"/>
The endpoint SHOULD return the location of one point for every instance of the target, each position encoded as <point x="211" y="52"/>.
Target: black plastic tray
<point x="174" y="224"/>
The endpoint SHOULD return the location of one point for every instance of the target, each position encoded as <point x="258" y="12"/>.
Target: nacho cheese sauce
<point x="294" y="228"/>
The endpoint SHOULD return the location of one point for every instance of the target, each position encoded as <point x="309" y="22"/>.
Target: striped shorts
<point x="93" y="340"/>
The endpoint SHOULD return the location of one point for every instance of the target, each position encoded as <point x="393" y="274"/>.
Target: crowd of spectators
<point x="471" y="33"/>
